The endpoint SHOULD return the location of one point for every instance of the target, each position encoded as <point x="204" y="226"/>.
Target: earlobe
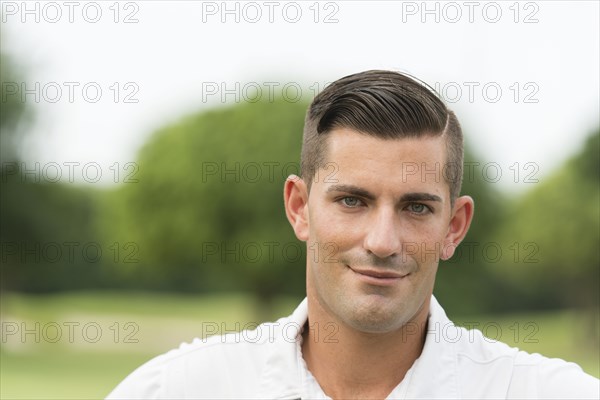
<point x="295" y="198"/>
<point x="459" y="225"/>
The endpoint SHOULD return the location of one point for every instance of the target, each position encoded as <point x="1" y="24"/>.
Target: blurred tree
<point x="207" y="213"/>
<point x="40" y="222"/>
<point x="13" y="109"/>
<point x="556" y="228"/>
<point x="47" y="239"/>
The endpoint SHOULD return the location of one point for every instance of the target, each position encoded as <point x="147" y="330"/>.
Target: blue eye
<point x="351" y="201"/>
<point x="419" y="208"/>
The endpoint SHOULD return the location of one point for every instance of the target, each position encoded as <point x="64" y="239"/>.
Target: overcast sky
<point x="523" y="77"/>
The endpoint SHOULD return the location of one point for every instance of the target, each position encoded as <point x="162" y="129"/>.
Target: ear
<point x="295" y="198"/>
<point x="462" y="215"/>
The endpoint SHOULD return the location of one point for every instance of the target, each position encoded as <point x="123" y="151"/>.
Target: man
<point x="378" y="205"/>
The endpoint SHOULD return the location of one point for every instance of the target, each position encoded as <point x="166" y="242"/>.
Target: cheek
<point x="427" y="244"/>
<point x="327" y="242"/>
<point x="330" y="227"/>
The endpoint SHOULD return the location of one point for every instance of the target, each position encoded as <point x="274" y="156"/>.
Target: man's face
<point x="378" y="214"/>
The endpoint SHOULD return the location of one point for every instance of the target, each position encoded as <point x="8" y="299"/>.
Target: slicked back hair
<point x="384" y="104"/>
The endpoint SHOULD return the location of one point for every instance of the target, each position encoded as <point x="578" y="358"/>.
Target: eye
<point x="419" y="208"/>
<point x="350" y="202"/>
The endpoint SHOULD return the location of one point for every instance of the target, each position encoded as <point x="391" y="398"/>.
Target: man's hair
<point x="384" y="104"/>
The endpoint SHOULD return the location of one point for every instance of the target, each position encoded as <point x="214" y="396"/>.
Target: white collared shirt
<point x="267" y="363"/>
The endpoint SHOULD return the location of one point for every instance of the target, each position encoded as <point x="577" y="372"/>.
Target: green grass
<point x="89" y="364"/>
<point x="70" y="375"/>
<point x="135" y="327"/>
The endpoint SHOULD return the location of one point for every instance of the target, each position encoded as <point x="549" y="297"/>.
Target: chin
<point x="375" y="325"/>
<point x="376" y="316"/>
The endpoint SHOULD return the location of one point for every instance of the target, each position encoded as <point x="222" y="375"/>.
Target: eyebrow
<point x="357" y="191"/>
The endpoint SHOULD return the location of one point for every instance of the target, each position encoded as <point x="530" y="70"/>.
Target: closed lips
<point x="378" y="274"/>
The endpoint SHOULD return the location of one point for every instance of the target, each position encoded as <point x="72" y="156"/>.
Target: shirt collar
<point x="433" y="375"/>
<point x="435" y="372"/>
<point x="282" y="374"/>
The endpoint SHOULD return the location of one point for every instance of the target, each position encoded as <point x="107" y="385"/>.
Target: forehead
<point x="368" y="160"/>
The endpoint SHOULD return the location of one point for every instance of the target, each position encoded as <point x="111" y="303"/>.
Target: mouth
<point x="378" y="277"/>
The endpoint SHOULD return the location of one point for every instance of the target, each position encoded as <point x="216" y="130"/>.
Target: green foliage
<point x="14" y="109"/>
<point x="37" y="219"/>
<point x="207" y="212"/>
<point x="44" y="229"/>
<point x="560" y="220"/>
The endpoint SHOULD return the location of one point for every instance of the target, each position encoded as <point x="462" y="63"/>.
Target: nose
<point x="383" y="236"/>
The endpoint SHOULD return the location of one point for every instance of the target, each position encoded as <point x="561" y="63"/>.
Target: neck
<point x="350" y="364"/>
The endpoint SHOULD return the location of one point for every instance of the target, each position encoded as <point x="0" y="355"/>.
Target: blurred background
<point x="144" y="146"/>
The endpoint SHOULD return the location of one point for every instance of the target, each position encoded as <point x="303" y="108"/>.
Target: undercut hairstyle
<point x="387" y="105"/>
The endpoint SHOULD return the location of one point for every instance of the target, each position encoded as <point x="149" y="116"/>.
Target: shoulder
<point x="213" y="367"/>
<point x="552" y="378"/>
<point x="475" y="366"/>
<point x="485" y="363"/>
